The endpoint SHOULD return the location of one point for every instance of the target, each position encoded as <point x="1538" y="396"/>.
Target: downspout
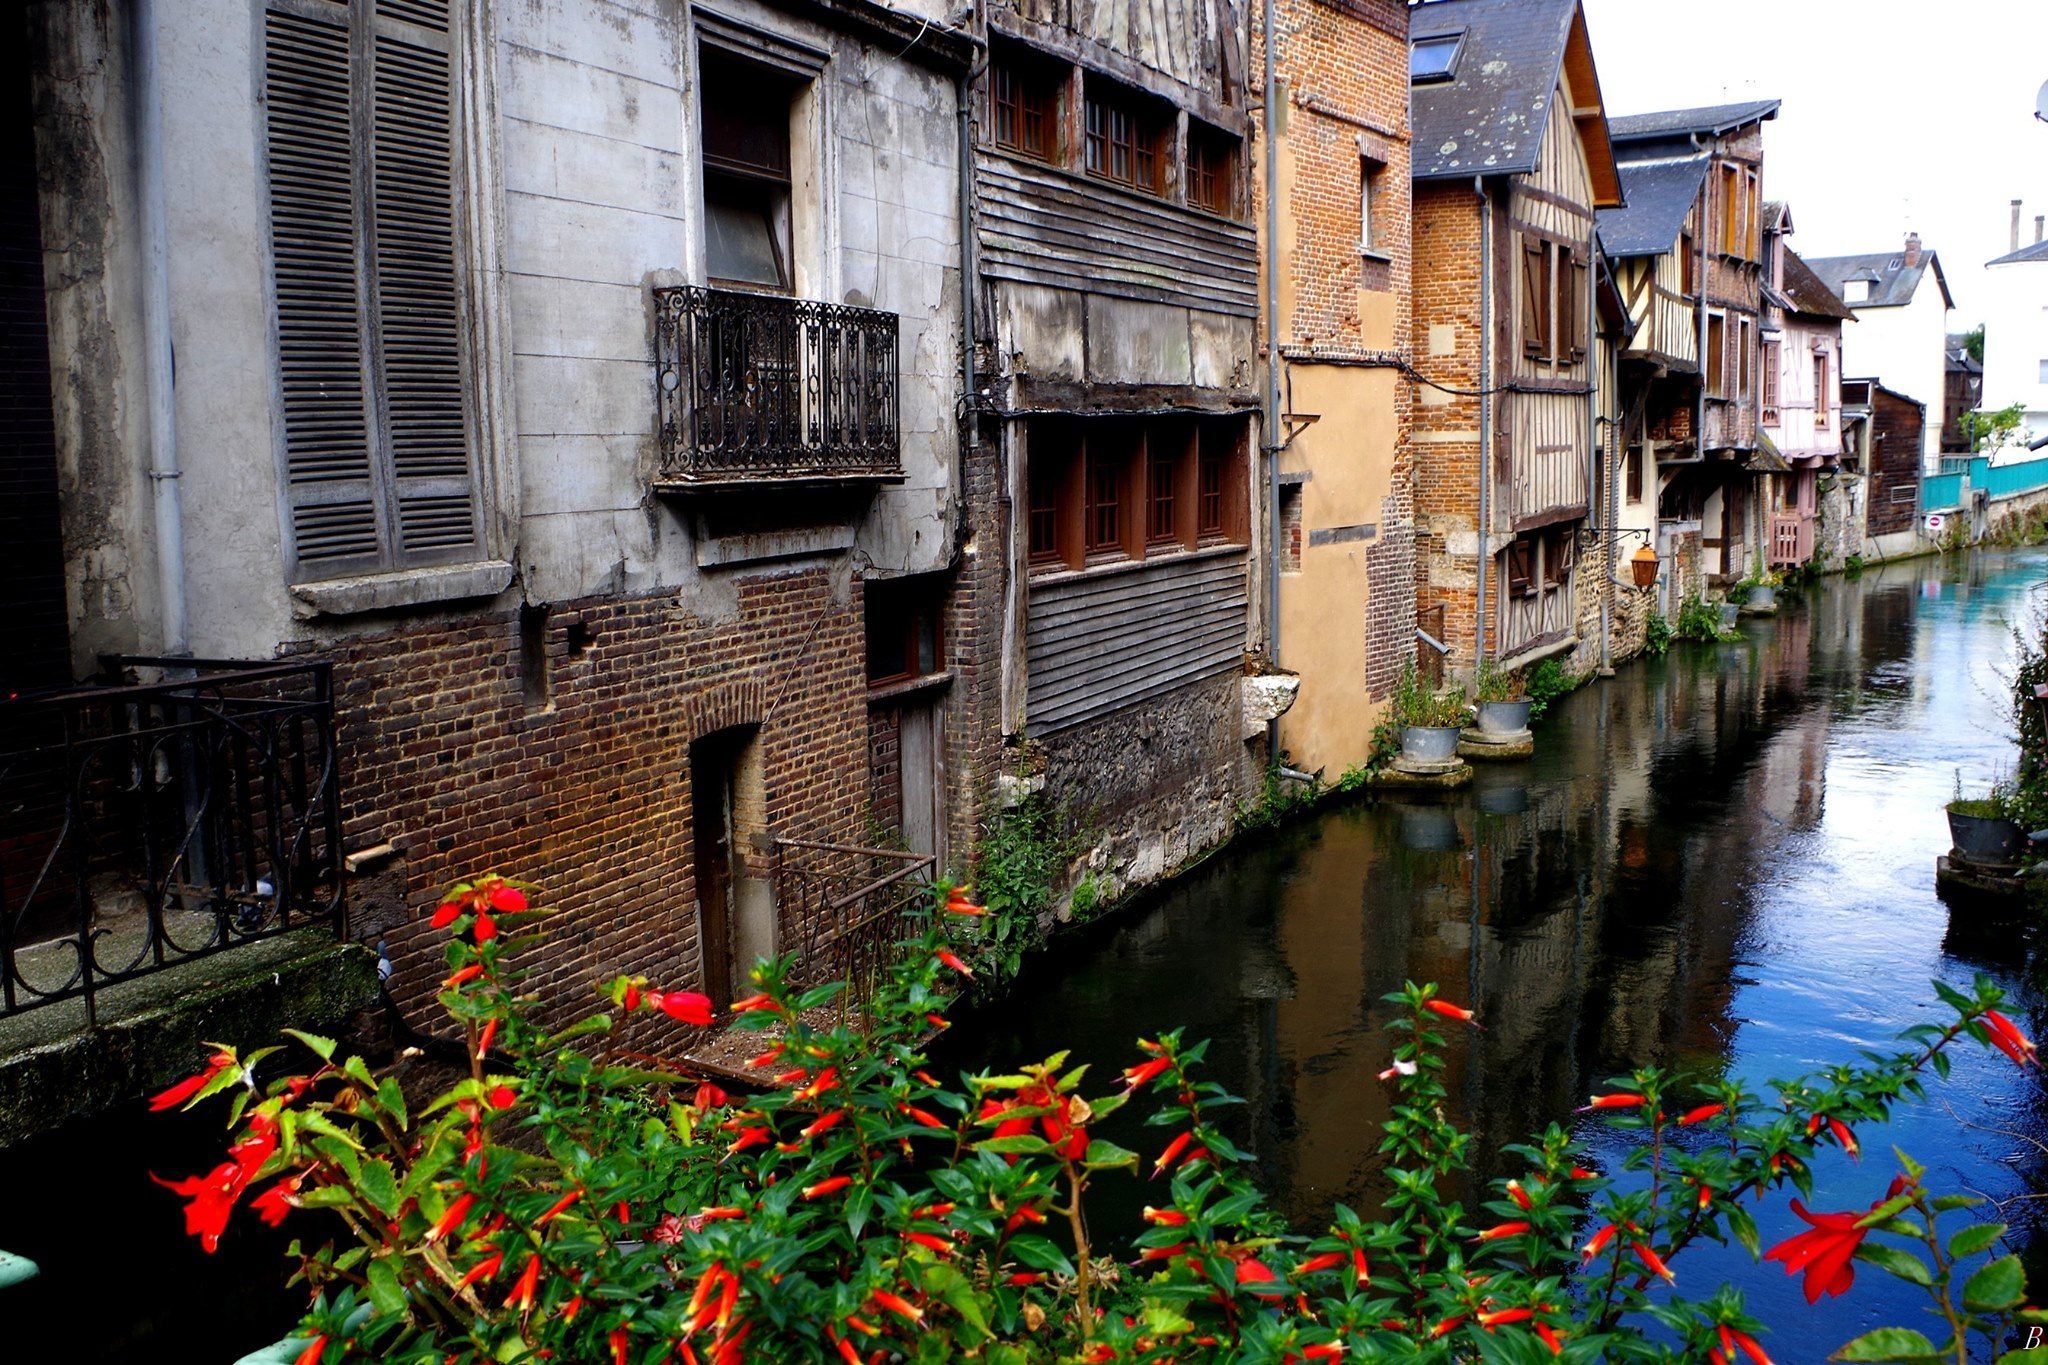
<point x="158" y="362"/>
<point x="969" y="278"/>
<point x="1485" y="411"/>
<point x="1272" y="414"/>
<point x="1699" y="420"/>
<point x="1604" y="448"/>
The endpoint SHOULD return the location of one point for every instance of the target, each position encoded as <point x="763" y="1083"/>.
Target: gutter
<point x="158" y="359"/>
<point x="1272" y="406"/>
<point x="1485" y="411"/>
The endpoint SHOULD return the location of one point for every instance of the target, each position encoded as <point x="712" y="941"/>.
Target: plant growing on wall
<point x="549" y="1205"/>
<point x="1699" y="620"/>
<point x="1656" y="636"/>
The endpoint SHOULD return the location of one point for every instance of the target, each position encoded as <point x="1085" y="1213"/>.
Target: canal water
<point x="1722" y="861"/>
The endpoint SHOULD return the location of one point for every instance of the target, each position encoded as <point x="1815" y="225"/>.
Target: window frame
<point x="1031" y="73"/>
<point x="1449" y="71"/>
<point x="1108" y="105"/>
<point x="918" y="603"/>
<point x="731" y="181"/>
<point x="1080" y="469"/>
<point x="1769" y="394"/>
<point x="1714" y="364"/>
<point x="1823" y="377"/>
<point x="1217" y="162"/>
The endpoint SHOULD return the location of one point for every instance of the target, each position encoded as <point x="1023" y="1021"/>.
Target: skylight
<point x="1434" y="59"/>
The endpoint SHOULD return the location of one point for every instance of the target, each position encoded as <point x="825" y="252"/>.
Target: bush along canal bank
<point x="1722" y="859"/>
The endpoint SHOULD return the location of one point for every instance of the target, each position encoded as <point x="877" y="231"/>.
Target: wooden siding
<point x="1667" y="323"/>
<point x="1042" y="225"/>
<point x="1103" y="639"/>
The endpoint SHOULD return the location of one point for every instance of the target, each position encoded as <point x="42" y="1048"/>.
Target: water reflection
<point x="1723" y="860"/>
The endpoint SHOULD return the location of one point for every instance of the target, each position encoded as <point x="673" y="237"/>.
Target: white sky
<point x="1897" y="115"/>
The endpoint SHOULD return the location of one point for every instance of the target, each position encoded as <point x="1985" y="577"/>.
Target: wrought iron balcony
<point x="145" y="825"/>
<point x="756" y="388"/>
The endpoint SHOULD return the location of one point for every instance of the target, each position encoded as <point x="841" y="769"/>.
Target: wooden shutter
<point x="413" y="273"/>
<point x="1578" y="298"/>
<point x="328" y="472"/>
<point x="379" y="468"/>
<point x="1536" y="293"/>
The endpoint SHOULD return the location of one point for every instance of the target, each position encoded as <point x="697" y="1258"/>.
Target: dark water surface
<point x="1723" y="860"/>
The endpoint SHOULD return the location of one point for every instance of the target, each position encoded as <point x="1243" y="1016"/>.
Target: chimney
<point x="1912" y="259"/>
<point x="2040" y="225"/>
<point x="2015" y="226"/>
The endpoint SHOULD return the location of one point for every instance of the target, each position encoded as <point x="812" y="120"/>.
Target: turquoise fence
<point x="1980" y="475"/>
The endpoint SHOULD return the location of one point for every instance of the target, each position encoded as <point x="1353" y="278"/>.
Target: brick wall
<point x="583" y="786"/>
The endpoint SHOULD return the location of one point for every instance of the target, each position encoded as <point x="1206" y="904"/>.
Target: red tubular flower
<point x="1706" y="1195"/>
<point x="1825" y="1251"/>
<point x="709" y="1097"/>
<point x="1447" y="1010"/>
<point x="210" y="1198"/>
<point x="1315" y="1265"/>
<point x="1750" y="1347"/>
<point x="314" y="1350"/>
<point x="1619" y="1101"/>
<point x="2007" y="1038"/>
<point x="1654" y="1262"/>
<point x="957" y="903"/>
<point x="923" y="1117"/>
<point x="1173" y="1150"/>
<point x="753" y="1002"/>
<point x="900" y="1306"/>
<point x="191" y="1085"/>
<point x="1494" y="1234"/>
<point x="1550" y="1338"/>
<point x="1699" y="1115"/>
<point x="277" y="1200"/>
<point x="1023" y="1278"/>
<point x="930" y="1242"/>
<point x="1581" y="1173"/>
<point x="1445" y="1328"/>
<point x="845" y="1348"/>
<point x="463" y="976"/>
<point x="938" y="1021"/>
<point x="939" y="1210"/>
<point x="558" y="1208"/>
<point x="1326" y="1350"/>
<point x="828" y="1079"/>
<point x="483" y="1041"/>
<point x="952" y="959"/>
<point x="1361" y="1268"/>
<point x="619" y="1341"/>
<point x="1145" y="1072"/>
<point x="1254" y="1275"/>
<point x="1165" y="1218"/>
<point x="1165" y="1253"/>
<point x="749" y="1137"/>
<point x="1598" y="1242"/>
<point x="1504" y="1316"/>
<point x="825" y="1123"/>
<point x="521" y="1296"/>
<point x="1845" y="1137"/>
<point x="685" y="1007"/>
<point x="450" y="1219"/>
<point x="765" y="1059"/>
<point x="485" y="1269"/>
<point x="831" y="1184"/>
<point x="1519" y="1195"/>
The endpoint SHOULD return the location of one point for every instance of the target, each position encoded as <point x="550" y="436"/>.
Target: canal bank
<point x="1723" y="860"/>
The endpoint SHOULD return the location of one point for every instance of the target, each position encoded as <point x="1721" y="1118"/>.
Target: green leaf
<point x="1974" y="1239"/>
<point x="1107" y="1156"/>
<point x="1040" y="1254"/>
<point x="385" y="1292"/>
<point x="1744" y="1228"/>
<point x="1903" y="1264"/>
<point x="1887" y="1343"/>
<point x="323" y="1048"/>
<point x="1949" y="1203"/>
<point x="380" y="1186"/>
<point x="1022" y="1144"/>
<point x="1999" y="1285"/>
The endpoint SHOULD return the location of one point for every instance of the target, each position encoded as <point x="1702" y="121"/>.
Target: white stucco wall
<point x="596" y="125"/>
<point x="1906" y="348"/>
<point x="2016" y="341"/>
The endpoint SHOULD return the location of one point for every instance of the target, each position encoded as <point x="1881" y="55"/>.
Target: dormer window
<point x="1856" y="291"/>
<point x="1434" y="59"/>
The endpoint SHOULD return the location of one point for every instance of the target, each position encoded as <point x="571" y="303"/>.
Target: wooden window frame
<point x="1121" y="125"/>
<point x="762" y="186"/>
<point x="1823" y="366"/>
<point x="1027" y="88"/>
<point x="1689" y="264"/>
<point x="918" y="604"/>
<point x="1745" y="358"/>
<point x="1714" y="364"/>
<point x="1068" y="460"/>
<point x="1772" y="364"/>
<point x="1211" y="177"/>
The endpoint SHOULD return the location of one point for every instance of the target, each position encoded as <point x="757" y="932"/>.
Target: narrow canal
<point x="1722" y="861"/>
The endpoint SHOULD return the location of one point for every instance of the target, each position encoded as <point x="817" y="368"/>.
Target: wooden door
<point x="714" y="764"/>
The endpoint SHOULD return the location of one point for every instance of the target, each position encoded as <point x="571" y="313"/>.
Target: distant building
<point x="1802" y="393"/>
<point x="2016" y="330"/>
<point x="1891" y="430"/>
<point x="1901" y="331"/>
<point x="1962" y="394"/>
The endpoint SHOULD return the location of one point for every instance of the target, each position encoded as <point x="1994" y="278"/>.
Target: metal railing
<point x="758" y="387"/>
<point x="849" y="909"/>
<point x="142" y="825"/>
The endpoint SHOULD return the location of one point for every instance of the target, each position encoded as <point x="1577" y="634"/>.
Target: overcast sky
<point x="1897" y="115"/>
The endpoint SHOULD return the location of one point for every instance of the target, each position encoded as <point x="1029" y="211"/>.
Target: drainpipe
<point x="1485" y="409"/>
<point x="1272" y="414"/>
<point x="969" y="275"/>
<point x="158" y="362"/>
<point x="1699" y="429"/>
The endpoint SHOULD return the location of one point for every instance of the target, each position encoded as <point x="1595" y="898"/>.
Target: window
<point x="1116" y="488"/>
<point x="1522" y="568"/>
<point x="1688" y="265"/>
<point x="2044" y="372"/>
<point x="1773" y="358"/>
<point x="1823" y="391"/>
<point x="1554" y="300"/>
<point x="361" y="153"/>
<point x="1856" y="291"/>
<point x="1717" y="354"/>
<point x="1434" y="58"/>
<point x="905" y="628"/>
<point x="1125" y="135"/>
<point x="745" y="112"/>
<point x="1634" y="473"/>
<point x="1212" y="169"/>
<point x="1731" y="211"/>
<point x="1745" y="355"/>
<point x="1370" y="173"/>
<point x="1024" y="104"/>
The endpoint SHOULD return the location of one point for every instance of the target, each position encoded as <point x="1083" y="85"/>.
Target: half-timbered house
<point x="1801" y="402"/>
<point x="1511" y="162"/>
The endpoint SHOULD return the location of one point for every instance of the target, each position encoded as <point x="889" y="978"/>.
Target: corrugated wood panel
<point x="1101" y="641"/>
<point x="1043" y="226"/>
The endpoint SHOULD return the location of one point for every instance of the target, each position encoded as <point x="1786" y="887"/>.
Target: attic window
<point x="1856" y="291"/>
<point x="1434" y="59"/>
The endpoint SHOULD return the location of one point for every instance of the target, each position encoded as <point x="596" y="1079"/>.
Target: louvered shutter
<point x="361" y="99"/>
<point x="413" y="278"/>
<point x="1536" y="297"/>
<point x="328" y="469"/>
<point x="1578" y="299"/>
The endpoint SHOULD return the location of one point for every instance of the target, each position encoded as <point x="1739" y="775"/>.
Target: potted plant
<point x="1501" y="702"/>
<point x="1983" y="828"/>
<point x="1429" y="721"/>
<point x="1762" y="585"/>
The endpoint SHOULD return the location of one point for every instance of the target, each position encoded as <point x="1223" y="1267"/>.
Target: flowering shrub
<point x="550" y="1205"/>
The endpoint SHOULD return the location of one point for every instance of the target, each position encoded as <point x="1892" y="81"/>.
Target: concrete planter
<point x="1763" y="598"/>
<point x="1731" y="612"/>
<point x="1503" y="717"/>
<point x="1429" y="743"/>
<point x="1986" y="838"/>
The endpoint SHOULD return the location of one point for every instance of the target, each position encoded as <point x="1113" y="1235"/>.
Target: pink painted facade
<point x="1801" y="393"/>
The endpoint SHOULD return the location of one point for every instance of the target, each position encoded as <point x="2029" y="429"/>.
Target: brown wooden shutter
<point x="329" y="484"/>
<point x="1536" y="293"/>
<point x="413" y="278"/>
<point x="1578" y="299"/>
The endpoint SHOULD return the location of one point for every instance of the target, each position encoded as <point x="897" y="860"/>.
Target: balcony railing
<point x="753" y="388"/>
<point x="144" y="825"/>
<point x="1791" y="538"/>
<point x="848" y="910"/>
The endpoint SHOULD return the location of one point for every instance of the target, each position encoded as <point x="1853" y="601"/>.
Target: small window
<point x="1024" y="104"/>
<point x="1370" y="174"/>
<point x="745" y="111"/>
<point x="1856" y="291"/>
<point x="1688" y="264"/>
<point x="1434" y="59"/>
<point x="1717" y="354"/>
<point x="1048" y="476"/>
<point x="2044" y="372"/>
<point x="1210" y="498"/>
<point x="1105" y="500"/>
<point x="1212" y="169"/>
<point x="1125" y="136"/>
<point x="1823" y="396"/>
<point x="1522" y="568"/>
<point x="1774" y="356"/>
<point x="1162" y="524"/>
<point x="905" y="628"/>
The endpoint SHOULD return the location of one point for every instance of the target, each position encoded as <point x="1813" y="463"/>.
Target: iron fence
<point x="142" y="825"/>
<point x="755" y="386"/>
<point x="850" y="909"/>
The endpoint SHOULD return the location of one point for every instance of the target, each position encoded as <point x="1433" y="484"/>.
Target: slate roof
<point x="1488" y="119"/>
<point x="2037" y="252"/>
<point x="1710" y="121"/>
<point x="1808" y="293"/>
<point x="1887" y="270"/>
<point x="1959" y="357"/>
<point x="1660" y="192"/>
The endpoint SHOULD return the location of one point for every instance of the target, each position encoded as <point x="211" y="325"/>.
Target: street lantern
<point x="1643" y="564"/>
